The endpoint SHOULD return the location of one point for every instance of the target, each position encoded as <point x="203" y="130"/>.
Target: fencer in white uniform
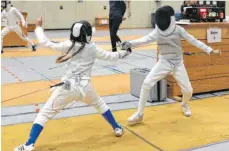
<point x="168" y="36"/>
<point x="12" y="15"/>
<point x="80" y="55"/>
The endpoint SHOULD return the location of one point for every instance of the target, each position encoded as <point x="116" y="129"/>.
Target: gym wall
<point x="57" y="18"/>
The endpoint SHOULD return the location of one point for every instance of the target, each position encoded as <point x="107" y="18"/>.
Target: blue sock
<point x="35" y="132"/>
<point x="110" y="119"/>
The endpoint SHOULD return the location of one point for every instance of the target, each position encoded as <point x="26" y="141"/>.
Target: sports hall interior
<point x="26" y="77"/>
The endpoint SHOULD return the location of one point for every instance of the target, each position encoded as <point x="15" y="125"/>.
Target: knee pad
<point x="101" y="106"/>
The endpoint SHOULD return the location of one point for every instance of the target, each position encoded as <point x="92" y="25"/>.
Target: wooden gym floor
<point x="164" y="127"/>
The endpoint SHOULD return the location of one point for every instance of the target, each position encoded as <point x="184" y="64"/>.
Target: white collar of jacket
<point x="170" y="29"/>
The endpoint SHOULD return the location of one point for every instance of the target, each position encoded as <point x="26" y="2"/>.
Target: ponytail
<point x="66" y="57"/>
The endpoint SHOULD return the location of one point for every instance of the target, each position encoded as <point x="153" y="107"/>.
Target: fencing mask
<point x="81" y="32"/>
<point x="165" y="19"/>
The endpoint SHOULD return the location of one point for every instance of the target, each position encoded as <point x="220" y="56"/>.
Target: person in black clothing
<point x="117" y="11"/>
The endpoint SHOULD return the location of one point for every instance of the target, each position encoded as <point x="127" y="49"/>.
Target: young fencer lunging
<point x="80" y="55"/>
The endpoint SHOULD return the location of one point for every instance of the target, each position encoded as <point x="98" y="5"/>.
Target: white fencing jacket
<point x="82" y="62"/>
<point x="13" y="15"/>
<point x="169" y="42"/>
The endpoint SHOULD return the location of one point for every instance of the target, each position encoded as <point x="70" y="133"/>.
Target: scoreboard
<point x="205" y="14"/>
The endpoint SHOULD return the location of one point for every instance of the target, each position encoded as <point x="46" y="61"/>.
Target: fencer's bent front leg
<point x="92" y="98"/>
<point x="158" y="72"/>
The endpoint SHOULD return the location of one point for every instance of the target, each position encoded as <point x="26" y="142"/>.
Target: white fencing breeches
<point x="160" y="71"/>
<point x="17" y="29"/>
<point x="61" y="97"/>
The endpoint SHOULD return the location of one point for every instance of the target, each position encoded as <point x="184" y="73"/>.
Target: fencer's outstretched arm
<point x="152" y="37"/>
<point x="43" y="40"/>
<point x="184" y="34"/>
<point x="111" y="56"/>
<point x="18" y="13"/>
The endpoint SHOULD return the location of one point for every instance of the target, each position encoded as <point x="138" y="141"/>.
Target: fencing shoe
<point x="119" y="132"/>
<point x="135" y="118"/>
<point x="24" y="148"/>
<point x="186" y="109"/>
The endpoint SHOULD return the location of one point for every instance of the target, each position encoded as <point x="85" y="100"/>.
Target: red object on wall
<point x="203" y="13"/>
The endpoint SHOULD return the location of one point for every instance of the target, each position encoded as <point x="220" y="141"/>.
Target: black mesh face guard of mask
<point x="163" y="17"/>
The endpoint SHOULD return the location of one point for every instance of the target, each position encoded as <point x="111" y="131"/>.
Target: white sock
<point x="142" y="101"/>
